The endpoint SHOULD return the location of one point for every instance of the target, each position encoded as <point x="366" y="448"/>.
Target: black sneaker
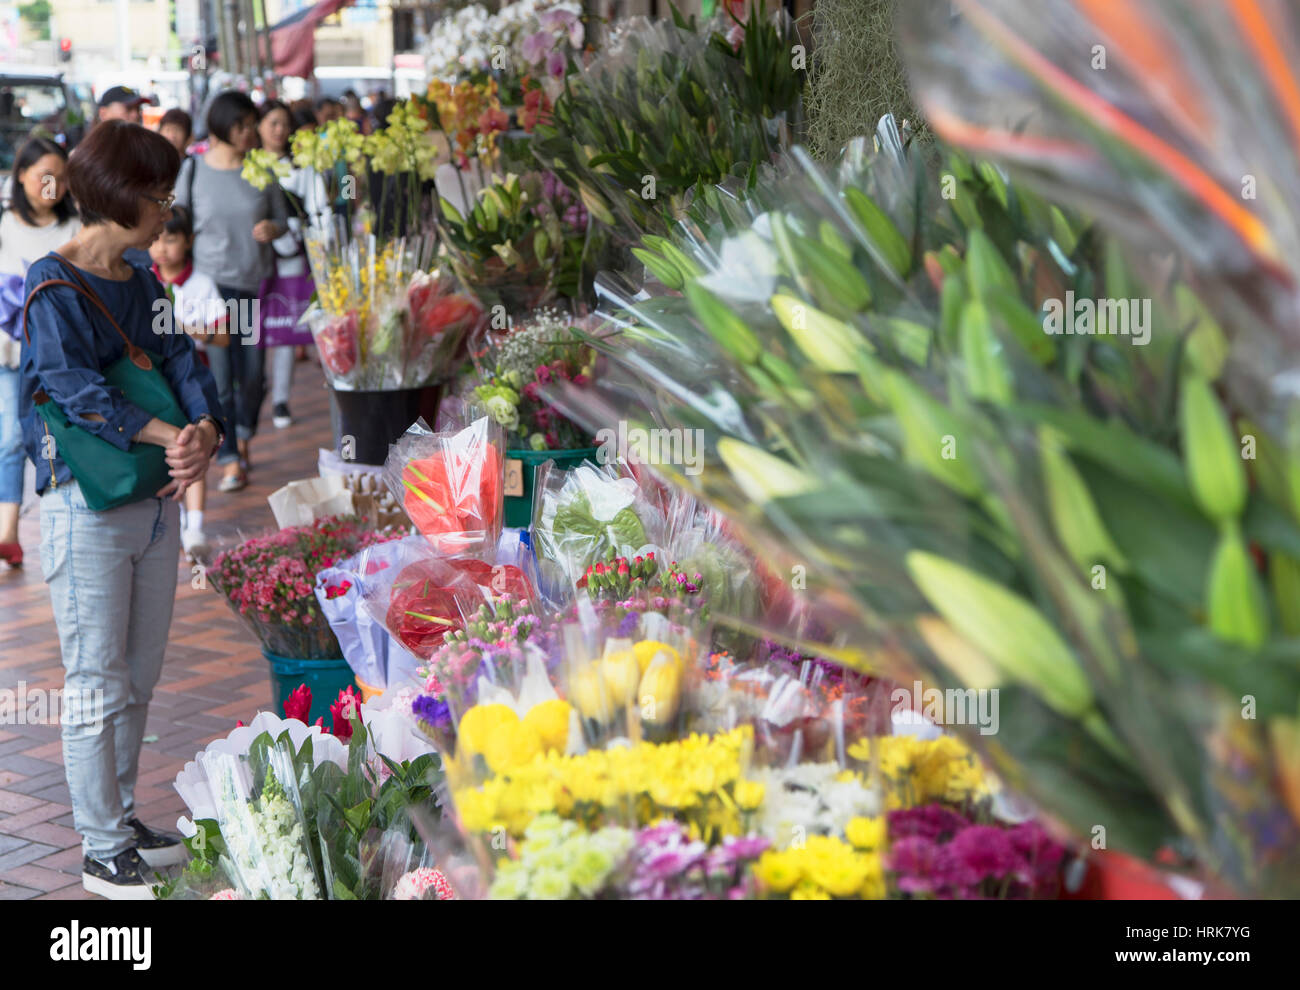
<point x="280" y="415"/>
<point x="155" y="849"/>
<point x="126" y="877"/>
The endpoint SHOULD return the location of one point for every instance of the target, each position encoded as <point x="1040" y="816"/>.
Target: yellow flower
<point x="621" y="675"/>
<point x="777" y="871"/>
<point x="809" y="892"/>
<point x="550" y="719"/>
<point x="261" y="168"/>
<point x="873" y="887"/>
<point x="513" y="745"/>
<point x="648" y="649"/>
<point x="660" y="691"/>
<point x="866" y="833"/>
<point x="587" y="691"/>
<point x="749" y="794"/>
<point x="480" y="724"/>
<point x="476" y="809"/>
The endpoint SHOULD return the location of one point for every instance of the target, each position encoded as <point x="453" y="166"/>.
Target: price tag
<point x="514" y="477"/>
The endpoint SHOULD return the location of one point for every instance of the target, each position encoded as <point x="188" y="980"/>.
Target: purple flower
<point x="555" y="65"/>
<point x="750" y="847"/>
<point x="932" y="821"/>
<point x="1039" y="855"/>
<point x="628" y="625"/>
<point x="433" y="711"/>
<point x="982" y="852"/>
<point x="535" y="47"/>
<point x="916" y="861"/>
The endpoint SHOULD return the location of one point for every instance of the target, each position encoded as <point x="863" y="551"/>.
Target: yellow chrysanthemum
<point x="866" y="833"/>
<point x="777" y="872"/>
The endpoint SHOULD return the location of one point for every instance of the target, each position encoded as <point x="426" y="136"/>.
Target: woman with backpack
<point x="235" y="225"/>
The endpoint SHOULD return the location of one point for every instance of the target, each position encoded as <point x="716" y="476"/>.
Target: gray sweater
<point x="225" y="210"/>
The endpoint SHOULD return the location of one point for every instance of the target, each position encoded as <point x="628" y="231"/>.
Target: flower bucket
<point x="372" y="420"/>
<point x="519" y="507"/>
<point x="325" y="679"/>
<point x="368" y="693"/>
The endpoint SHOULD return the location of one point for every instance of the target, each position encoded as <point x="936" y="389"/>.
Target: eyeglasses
<point x="163" y="204"/>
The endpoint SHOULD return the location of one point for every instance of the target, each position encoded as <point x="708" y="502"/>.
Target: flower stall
<point x="778" y="532"/>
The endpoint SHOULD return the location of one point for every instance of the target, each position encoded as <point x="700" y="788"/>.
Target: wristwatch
<point x="216" y="425"/>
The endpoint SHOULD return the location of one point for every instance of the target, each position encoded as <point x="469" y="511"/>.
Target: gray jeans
<point x="281" y="360"/>
<point x="112" y="578"/>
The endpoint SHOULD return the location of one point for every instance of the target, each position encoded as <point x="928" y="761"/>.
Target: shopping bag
<point x="282" y="301"/>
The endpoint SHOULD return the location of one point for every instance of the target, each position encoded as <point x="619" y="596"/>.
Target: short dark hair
<point x="303" y="117"/>
<point x="383" y="109"/>
<point x="327" y="101"/>
<point x="116" y="164"/>
<point x="227" y="110"/>
<point x="180" y="223"/>
<point x="32" y="151"/>
<point x="270" y="106"/>
<point x="179" y="118"/>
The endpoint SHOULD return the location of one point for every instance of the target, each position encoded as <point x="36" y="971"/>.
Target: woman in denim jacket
<point x="112" y="574"/>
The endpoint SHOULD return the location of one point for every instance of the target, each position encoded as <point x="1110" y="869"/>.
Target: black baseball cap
<point x="123" y="94"/>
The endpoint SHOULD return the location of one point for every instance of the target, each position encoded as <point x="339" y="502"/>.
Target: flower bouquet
<point x="363" y="320"/>
<point x="269" y="582"/>
<point x="513" y="366"/>
<point x="666" y="109"/>
<point x="450" y="484"/>
<point x="952" y="474"/>
<point x="521" y="243"/>
<point x="583" y="515"/>
<point x="281" y="811"/>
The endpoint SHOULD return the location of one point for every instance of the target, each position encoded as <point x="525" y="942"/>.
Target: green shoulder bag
<point x="109" y="476"/>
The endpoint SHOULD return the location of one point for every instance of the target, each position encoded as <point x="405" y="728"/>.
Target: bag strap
<point x="138" y="357"/>
<point x="189" y="184"/>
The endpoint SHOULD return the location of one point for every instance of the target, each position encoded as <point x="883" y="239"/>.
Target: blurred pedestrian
<point x="234" y="226"/>
<point x="305" y="191"/>
<point x="40" y="218"/>
<point x="121" y="103"/>
<point x="178" y="128"/>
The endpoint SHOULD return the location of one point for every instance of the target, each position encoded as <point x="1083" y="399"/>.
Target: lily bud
<point x="660" y="693"/>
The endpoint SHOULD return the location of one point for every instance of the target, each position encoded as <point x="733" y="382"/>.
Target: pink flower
<point x="298" y="704"/>
<point x="345" y="708"/>
<point x="415" y="885"/>
<point x="555" y="65"/>
<point x="535" y="47"/>
<point x="543" y="374"/>
<point x="229" y="894"/>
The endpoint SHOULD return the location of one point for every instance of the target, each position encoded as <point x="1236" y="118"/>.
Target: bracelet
<point x="216" y="425"/>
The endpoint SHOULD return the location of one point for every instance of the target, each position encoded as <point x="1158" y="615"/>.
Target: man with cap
<point x="121" y="103"/>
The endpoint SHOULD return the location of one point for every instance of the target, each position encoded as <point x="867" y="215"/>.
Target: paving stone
<point x="35" y="785"/>
<point x="12" y="892"/>
<point x="24" y="854"/>
<point x="11" y="803"/>
<point x="37" y="878"/>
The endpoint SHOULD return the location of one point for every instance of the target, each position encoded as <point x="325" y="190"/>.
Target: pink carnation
<point x="229" y="894"/>
<point x="415" y="885"/>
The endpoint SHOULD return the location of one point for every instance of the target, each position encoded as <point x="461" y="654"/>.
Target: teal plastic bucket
<point x="325" y="679"/>
<point x="519" y="508"/>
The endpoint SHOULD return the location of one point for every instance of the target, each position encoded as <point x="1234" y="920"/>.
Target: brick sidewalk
<point x="212" y="676"/>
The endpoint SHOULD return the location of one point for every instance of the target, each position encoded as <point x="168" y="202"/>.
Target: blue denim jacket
<point x="71" y="341"/>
